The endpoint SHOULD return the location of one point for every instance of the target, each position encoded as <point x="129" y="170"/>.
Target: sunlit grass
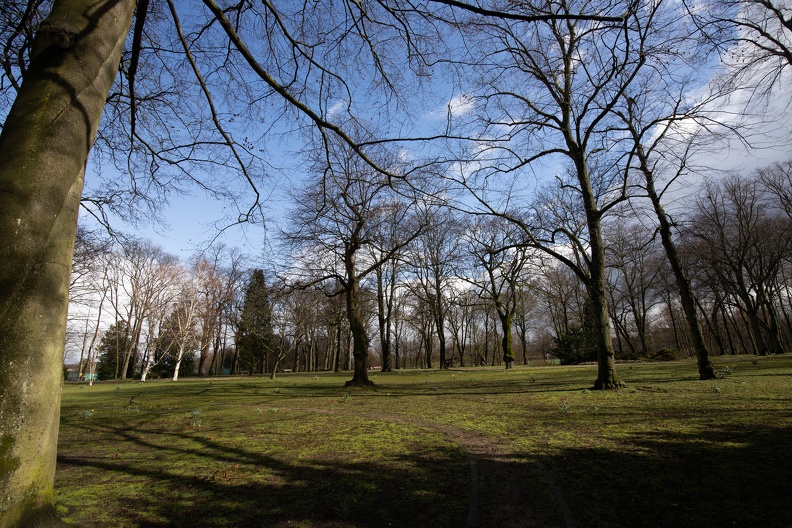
<point x="669" y="450"/>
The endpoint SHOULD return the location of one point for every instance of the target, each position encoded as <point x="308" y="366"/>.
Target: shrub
<point x="667" y="354"/>
<point x="575" y="346"/>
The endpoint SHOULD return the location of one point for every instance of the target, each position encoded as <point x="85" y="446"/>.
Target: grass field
<point x="480" y="447"/>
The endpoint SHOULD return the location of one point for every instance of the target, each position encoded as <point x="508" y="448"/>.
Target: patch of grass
<point x="669" y="450"/>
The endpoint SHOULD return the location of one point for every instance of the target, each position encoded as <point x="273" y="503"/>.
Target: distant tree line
<point x="461" y="292"/>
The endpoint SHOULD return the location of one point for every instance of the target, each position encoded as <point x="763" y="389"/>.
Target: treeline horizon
<point x="734" y="238"/>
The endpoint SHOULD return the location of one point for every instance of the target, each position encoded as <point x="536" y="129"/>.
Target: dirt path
<point x="508" y="490"/>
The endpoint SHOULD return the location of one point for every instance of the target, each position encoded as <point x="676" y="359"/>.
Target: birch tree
<point x="184" y="320"/>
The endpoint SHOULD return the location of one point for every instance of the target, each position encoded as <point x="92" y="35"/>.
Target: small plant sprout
<point x="715" y="389"/>
<point x="565" y="407"/>
<point x="87" y="413"/>
<point x="195" y="416"/>
<point x="345" y="506"/>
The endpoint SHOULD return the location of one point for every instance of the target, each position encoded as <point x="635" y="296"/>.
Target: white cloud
<point x="336" y="109"/>
<point x="457" y="106"/>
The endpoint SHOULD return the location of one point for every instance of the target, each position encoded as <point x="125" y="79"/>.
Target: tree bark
<point x="439" y="314"/>
<point x="597" y="287"/>
<point x="687" y="298"/>
<point x="44" y="147"/>
<point x="508" y="348"/>
<point x="383" y="320"/>
<point x="360" y="341"/>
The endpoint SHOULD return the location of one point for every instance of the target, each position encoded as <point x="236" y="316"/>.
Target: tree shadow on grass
<point x="729" y="476"/>
<point x="224" y="485"/>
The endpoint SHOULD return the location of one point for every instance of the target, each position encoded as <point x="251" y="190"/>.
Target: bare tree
<point x="184" y="331"/>
<point x="461" y="313"/>
<point x="219" y="274"/>
<point x="744" y="244"/>
<point x="563" y="299"/>
<point x="88" y="290"/>
<point x="777" y="178"/>
<point x="546" y="99"/>
<point x="386" y="235"/>
<point x="338" y="215"/>
<point x="635" y="266"/>
<point x="432" y="259"/>
<point x="169" y="273"/>
<point x="141" y="274"/>
<point x="524" y="315"/>
<point x="754" y="38"/>
<point x="496" y="247"/>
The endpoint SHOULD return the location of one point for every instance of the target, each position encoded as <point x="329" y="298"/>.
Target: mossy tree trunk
<point x="600" y="319"/>
<point x="44" y="147"/>
<point x="357" y="325"/>
<point x="596" y="284"/>
<point x="508" y="347"/>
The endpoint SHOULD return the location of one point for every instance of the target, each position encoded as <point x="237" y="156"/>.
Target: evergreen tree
<point x="111" y="350"/>
<point x="579" y="343"/>
<point x="255" y="337"/>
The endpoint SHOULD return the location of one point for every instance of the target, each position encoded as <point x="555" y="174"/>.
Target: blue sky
<point x="190" y="222"/>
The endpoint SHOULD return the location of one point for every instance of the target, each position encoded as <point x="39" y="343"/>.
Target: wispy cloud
<point x="459" y="105"/>
<point x="336" y="109"/>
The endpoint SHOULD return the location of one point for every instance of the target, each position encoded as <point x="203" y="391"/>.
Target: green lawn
<point x="480" y="447"/>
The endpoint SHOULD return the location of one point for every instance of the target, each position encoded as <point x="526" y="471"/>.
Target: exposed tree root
<point x="359" y="383"/>
<point x="611" y="384"/>
<point x="707" y="373"/>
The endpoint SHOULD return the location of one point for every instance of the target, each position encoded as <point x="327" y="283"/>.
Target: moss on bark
<point x="44" y="146"/>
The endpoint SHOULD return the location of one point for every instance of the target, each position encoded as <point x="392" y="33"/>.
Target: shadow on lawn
<point x="728" y="476"/>
<point x="239" y="487"/>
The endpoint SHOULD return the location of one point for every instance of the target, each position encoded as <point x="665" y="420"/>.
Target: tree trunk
<point x="606" y="359"/>
<point x="429" y="344"/>
<point x="44" y="147"/>
<point x="383" y="321"/>
<point x="522" y="331"/>
<point x="356" y="324"/>
<point x="396" y="342"/>
<point x="337" y="353"/>
<point x="439" y="324"/>
<point x="147" y="363"/>
<point x="508" y="348"/>
<point x="773" y="329"/>
<point x="178" y="362"/>
<point x="705" y="368"/>
<point x="205" y="359"/>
